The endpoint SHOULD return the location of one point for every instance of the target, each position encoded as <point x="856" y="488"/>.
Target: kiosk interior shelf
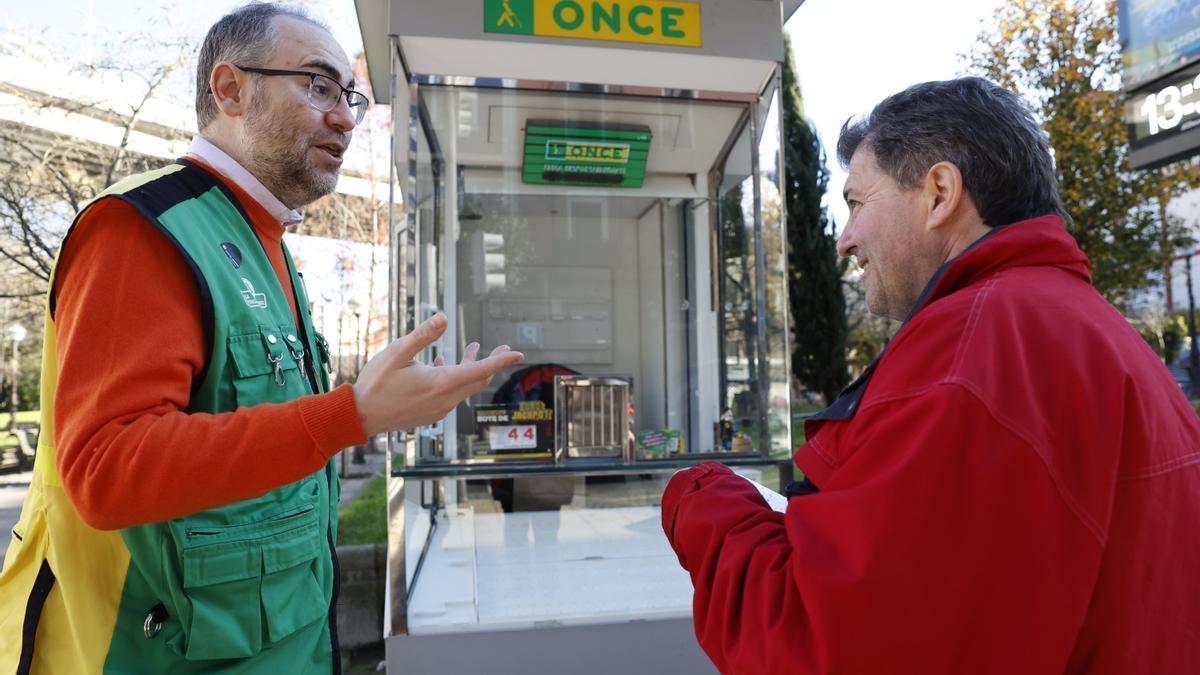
<point x="585" y="547"/>
<point x="484" y="469"/>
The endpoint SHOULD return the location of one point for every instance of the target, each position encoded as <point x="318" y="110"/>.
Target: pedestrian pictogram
<point x="508" y="16"/>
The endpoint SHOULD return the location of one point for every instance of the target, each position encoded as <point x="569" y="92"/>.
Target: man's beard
<point x="278" y="157"/>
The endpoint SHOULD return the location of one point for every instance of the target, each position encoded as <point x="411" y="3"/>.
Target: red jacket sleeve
<point x="941" y="545"/>
<point x="129" y="342"/>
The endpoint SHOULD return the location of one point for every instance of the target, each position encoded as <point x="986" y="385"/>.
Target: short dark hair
<point x="245" y="35"/>
<point x="983" y="129"/>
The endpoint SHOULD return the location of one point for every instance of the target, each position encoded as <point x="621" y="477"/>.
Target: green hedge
<point x="364" y="520"/>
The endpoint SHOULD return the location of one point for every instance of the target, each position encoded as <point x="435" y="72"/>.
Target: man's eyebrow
<point x="328" y="67"/>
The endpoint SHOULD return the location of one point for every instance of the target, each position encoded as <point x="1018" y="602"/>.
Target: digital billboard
<point x="1160" y="48"/>
<point x="1157" y="38"/>
<point x="1164" y="119"/>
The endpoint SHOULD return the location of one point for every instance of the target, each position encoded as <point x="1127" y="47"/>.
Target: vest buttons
<point x="271" y="339"/>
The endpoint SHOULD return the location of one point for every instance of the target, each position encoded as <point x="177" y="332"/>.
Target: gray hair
<point x="244" y="36"/>
<point x="981" y="128"/>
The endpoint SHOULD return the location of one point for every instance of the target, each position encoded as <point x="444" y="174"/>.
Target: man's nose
<point x="845" y="242"/>
<point x="341" y="117"/>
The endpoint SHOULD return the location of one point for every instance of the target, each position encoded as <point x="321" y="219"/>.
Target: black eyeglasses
<point x="323" y="92"/>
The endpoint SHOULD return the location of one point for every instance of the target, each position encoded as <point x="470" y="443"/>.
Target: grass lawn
<point x="364" y="520"/>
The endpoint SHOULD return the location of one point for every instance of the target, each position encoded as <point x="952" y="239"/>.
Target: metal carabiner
<point x="280" y="377"/>
<point x="154" y="621"/>
<point x="299" y="356"/>
<point x="297" y="352"/>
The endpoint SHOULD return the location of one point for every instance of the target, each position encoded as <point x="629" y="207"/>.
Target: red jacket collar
<point x="1037" y="242"/>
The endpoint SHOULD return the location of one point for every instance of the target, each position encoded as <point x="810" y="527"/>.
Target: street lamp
<point x="18" y="333"/>
<point x="357" y="456"/>
<point x="353" y="305"/>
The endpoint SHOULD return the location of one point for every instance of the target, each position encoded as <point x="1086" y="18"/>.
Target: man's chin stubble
<point x="301" y="188"/>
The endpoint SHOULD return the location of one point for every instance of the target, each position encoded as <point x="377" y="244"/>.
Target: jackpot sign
<point x="660" y="22"/>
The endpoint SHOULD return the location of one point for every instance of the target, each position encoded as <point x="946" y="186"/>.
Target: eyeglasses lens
<point x="324" y="94"/>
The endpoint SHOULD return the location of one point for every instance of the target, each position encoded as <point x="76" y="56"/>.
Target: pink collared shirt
<point x="204" y="150"/>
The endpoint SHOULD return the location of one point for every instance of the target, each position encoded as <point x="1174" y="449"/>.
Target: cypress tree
<point x="818" y="309"/>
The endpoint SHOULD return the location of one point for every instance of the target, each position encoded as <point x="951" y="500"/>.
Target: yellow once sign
<point x="583" y="152"/>
<point x="660" y="22"/>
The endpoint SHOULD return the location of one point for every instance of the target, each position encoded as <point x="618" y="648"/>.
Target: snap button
<point x="291" y="338"/>
<point x="271" y="339"/>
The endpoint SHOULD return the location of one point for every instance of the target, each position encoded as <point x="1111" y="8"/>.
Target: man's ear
<point x="230" y="89"/>
<point x="942" y="193"/>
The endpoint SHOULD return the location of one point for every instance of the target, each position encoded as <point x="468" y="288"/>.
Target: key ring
<point x="154" y="622"/>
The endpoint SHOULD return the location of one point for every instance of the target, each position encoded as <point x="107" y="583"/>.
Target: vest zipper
<point x="301" y="311"/>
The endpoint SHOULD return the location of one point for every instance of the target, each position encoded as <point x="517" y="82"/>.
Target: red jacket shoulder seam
<point x="1068" y="499"/>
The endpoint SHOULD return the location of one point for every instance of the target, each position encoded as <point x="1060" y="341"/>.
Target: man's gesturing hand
<point x="394" y="391"/>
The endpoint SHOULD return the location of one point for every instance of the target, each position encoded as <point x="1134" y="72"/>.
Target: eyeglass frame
<point x="312" y="77"/>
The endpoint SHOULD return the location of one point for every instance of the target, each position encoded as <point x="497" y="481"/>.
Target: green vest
<point x="252" y="586"/>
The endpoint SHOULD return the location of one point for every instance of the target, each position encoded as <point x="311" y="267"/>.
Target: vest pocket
<point x="264" y="371"/>
<point x="224" y="568"/>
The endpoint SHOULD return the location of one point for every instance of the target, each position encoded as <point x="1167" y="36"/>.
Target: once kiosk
<point x="596" y="184"/>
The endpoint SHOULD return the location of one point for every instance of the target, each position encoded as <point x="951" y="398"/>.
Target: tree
<point x="49" y="172"/>
<point x="817" y="305"/>
<point x="739" y="335"/>
<point x="1065" y="59"/>
<point x="46" y="176"/>
<point x="868" y="333"/>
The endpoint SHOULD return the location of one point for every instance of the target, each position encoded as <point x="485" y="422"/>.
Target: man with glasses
<point x="183" y="511"/>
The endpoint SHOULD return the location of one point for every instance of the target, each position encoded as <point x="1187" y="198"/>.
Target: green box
<point x="585" y="153"/>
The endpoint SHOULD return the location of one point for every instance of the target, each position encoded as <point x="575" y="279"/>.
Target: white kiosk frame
<point x="586" y="585"/>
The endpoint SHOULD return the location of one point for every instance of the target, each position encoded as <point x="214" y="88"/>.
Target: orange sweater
<point x="130" y="342"/>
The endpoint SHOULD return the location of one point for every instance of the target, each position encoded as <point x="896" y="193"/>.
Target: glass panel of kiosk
<point x="618" y="242"/>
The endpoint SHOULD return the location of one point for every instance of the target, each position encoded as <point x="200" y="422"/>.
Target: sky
<point x="850" y="54"/>
<point x="67" y="17"/>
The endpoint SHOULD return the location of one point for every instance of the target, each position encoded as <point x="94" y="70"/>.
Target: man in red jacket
<point x="1012" y="487"/>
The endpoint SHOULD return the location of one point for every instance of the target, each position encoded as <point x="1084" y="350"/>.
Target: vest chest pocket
<point x="250" y="585"/>
<point x="265" y="370"/>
